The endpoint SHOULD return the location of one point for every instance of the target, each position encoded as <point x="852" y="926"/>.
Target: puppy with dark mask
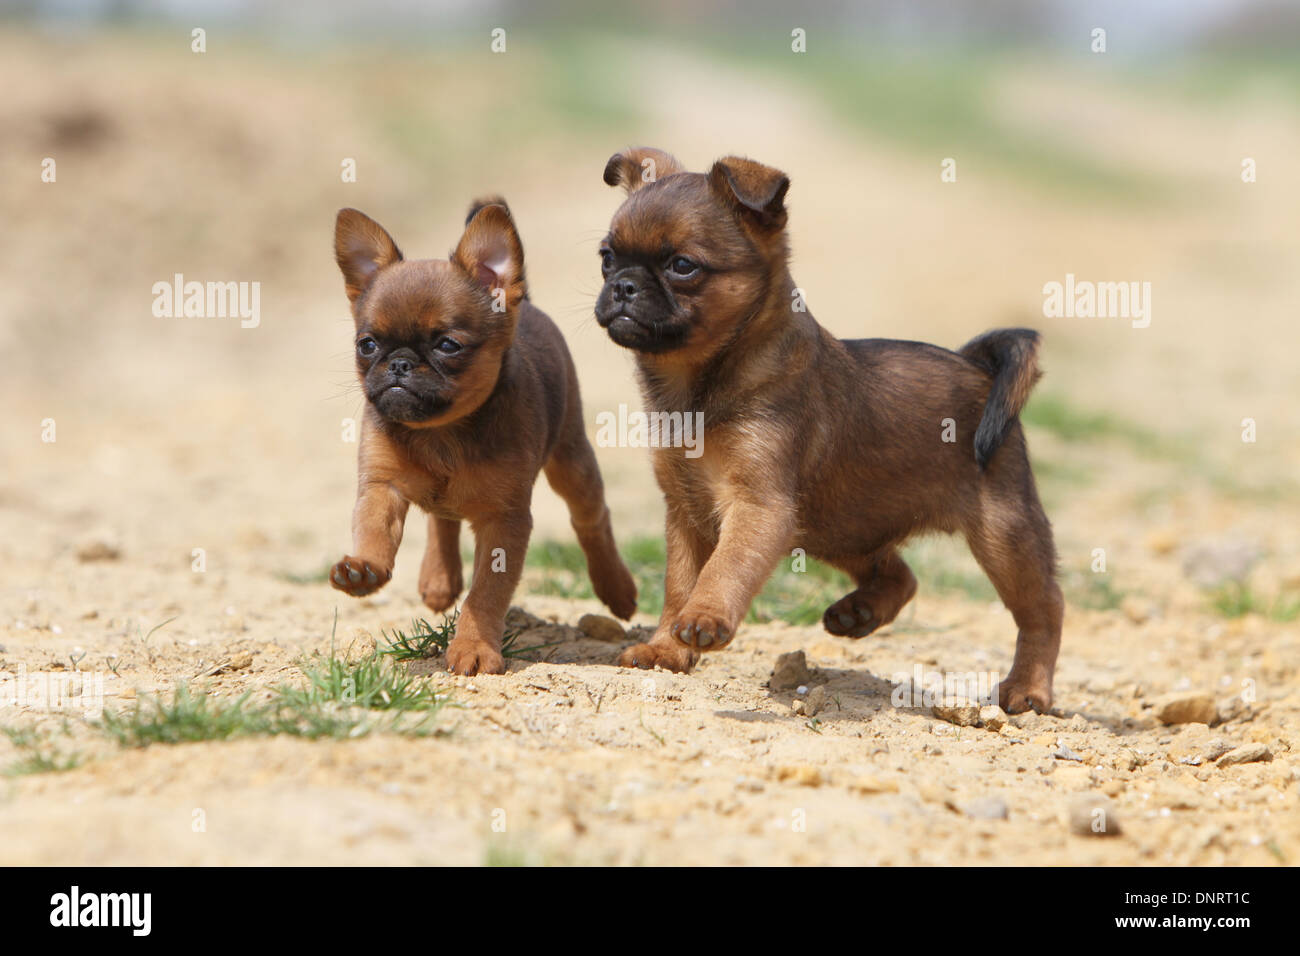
<point x="834" y="447"/>
<point x="470" y="392"/>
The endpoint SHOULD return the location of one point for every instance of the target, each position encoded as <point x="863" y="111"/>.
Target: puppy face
<point x="430" y="334"/>
<point x="689" y="256"/>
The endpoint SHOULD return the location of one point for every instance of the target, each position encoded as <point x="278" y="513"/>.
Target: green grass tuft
<point x="340" y="700"/>
<point x="1237" y="599"/>
<point x="373" y="683"/>
<point x="422" y="641"/>
<point x="185" y="718"/>
<point x="425" y="640"/>
<point x="38" y="754"/>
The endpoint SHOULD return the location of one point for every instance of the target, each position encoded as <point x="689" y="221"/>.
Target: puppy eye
<point x="367" y="346"/>
<point x="448" y="346"/>
<point x="606" y="262"/>
<point x="683" y="267"/>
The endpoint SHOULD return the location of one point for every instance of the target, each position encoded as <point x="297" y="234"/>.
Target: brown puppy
<point x="835" y="447"/>
<point x="470" y="391"/>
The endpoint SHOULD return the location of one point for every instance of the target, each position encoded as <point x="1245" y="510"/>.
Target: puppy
<point x="470" y="391"/>
<point x="842" y="448"/>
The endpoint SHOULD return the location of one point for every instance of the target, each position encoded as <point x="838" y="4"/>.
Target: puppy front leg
<point x="377" y="522"/>
<point x="687" y="549"/>
<point x="501" y="542"/>
<point x="755" y="536"/>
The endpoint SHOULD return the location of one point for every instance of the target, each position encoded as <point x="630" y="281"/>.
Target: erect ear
<point x="639" y="167"/>
<point x="758" y="191"/>
<point x="361" y="248"/>
<point x="491" y="253"/>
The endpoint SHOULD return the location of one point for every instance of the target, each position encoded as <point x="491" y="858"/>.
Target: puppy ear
<point x="758" y="191"/>
<point x="639" y="167"/>
<point x="478" y="204"/>
<point x="492" y="255"/>
<point x="361" y="248"/>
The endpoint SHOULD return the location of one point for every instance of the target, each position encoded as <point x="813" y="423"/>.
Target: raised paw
<point x="701" y="630"/>
<point x="667" y="654"/>
<point x="358" y="577"/>
<point x="469" y="657"/>
<point x="850" y="616"/>
<point x="616" y="590"/>
<point x="1017" y="695"/>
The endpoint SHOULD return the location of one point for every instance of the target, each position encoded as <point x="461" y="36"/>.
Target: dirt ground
<point x="175" y="435"/>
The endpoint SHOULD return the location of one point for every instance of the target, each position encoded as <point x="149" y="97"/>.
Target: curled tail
<point x="1011" y="357"/>
<point x="477" y="206"/>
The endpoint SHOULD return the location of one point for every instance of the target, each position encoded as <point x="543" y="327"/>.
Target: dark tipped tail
<point x="1011" y="357"/>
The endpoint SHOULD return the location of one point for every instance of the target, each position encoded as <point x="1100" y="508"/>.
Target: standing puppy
<point x="809" y="441"/>
<point x="470" y="392"/>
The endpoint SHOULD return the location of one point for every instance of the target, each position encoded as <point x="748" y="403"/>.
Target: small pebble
<point x="960" y="712"/>
<point x="598" y="627"/>
<point x="1248" y="753"/>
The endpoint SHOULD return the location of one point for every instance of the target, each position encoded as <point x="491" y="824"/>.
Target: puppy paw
<point x="469" y="657"/>
<point x="358" y="577"/>
<point x="667" y="654"/>
<point x="439" y="592"/>
<point x="871" y="606"/>
<point x="702" y="630"/>
<point x="850" y="616"/>
<point x="617" y="591"/>
<point x="1017" y="695"/>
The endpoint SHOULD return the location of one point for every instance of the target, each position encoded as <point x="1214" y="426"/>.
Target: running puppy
<point x="470" y="392"/>
<point x="835" y="447"/>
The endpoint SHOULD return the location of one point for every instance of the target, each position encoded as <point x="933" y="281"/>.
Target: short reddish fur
<point x="463" y="436"/>
<point x="811" y="442"/>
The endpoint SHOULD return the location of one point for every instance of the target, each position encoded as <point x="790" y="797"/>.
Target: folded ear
<point x="491" y="253"/>
<point x="361" y="248"/>
<point x="758" y="191"/>
<point x="639" y="167"/>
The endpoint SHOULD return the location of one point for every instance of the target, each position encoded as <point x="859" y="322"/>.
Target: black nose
<point x="625" y="290"/>
<point x="399" y="366"/>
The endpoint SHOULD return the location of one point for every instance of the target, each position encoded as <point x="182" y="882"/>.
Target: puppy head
<point x="690" y="257"/>
<point x="431" y="334"/>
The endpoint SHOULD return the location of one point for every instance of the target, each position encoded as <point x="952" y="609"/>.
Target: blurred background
<point x="225" y="165"/>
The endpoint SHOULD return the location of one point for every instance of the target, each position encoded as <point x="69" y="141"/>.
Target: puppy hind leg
<point x="441" y="576"/>
<point x="885" y="585"/>
<point x="1018" y="555"/>
<point x="573" y="473"/>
